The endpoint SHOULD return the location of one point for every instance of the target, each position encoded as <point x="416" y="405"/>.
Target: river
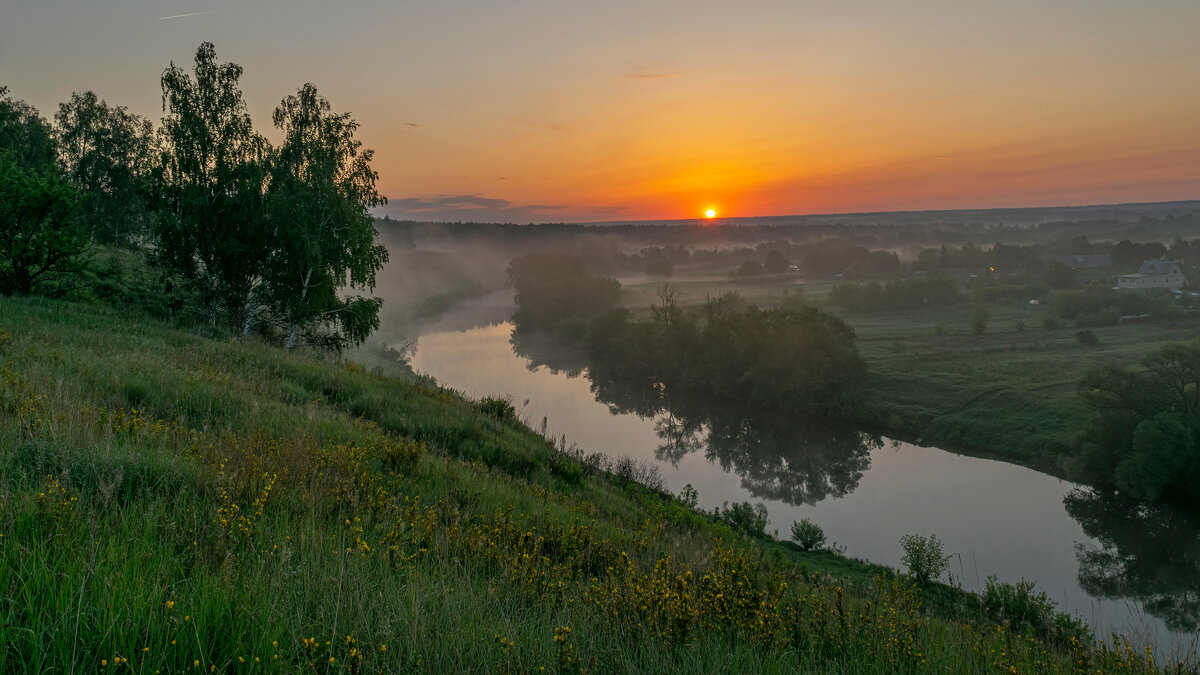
<point x="994" y="518"/>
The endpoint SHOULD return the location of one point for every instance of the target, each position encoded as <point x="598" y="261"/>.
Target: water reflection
<point x="790" y="459"/>
<point x="1148" y="553"/>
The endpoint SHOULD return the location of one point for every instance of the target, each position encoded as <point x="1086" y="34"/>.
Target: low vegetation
<point x="190" y="504"/>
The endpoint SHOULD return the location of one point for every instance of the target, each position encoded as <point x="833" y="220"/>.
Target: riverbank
<point x="216" y="504"/>
<point x="1007" y="393"/>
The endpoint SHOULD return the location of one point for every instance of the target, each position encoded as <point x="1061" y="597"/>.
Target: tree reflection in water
<point x="791" y="459"/>
<point x="1149" y="553"/>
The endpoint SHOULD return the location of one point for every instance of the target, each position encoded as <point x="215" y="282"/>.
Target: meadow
<point x="176" y="502"/>
<point x="1008" y="393"/>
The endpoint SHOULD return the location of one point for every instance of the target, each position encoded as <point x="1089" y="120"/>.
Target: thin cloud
<point x="478" y="208"/>
<point x="650" y="76"/>
<point x="181" y="16"/>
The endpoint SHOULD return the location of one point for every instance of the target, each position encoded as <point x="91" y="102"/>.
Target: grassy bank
<point x="177" y="503"/>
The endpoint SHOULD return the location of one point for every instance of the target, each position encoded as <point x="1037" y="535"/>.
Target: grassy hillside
<point x="176" y="503"/>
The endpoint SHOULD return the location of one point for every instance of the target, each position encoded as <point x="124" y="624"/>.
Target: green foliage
<point x="269" y="511"/>
<point x="923" y="557"/>
<point x="1059" y="275"/>
<point x="323" y="236"/>
<point x="900" y="294"/>
<point x="775" y="263"/>
<point x="107" y="152"/>
<point x="979" y="319"/>
<point x="555" y="291"/>
<point x="808" y="535"/>
<point x="750" y="269"/>
<point x="744" y="517"/>
<point x="1145" y="436"/>
<point x="42" y="242"/>
<point x="499" y="408"/>
<point x="27" y="137"/>
<point x="211" y="227"/>
<point x="1029" y="611"/>
<point x="726" y="349"/>
<point x="689" y="497"/>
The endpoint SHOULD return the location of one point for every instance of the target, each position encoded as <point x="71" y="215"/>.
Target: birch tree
<point x="106" y="151"/>
<point x="212" y="223"/>
<point x="323" y="236"/>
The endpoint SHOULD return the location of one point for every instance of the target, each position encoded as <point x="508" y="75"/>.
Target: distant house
<point x="1085" y="262"/>
<point x="1153" y="274"/>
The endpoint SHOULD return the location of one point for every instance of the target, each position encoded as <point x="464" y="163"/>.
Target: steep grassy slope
<point x="176" y="503"/>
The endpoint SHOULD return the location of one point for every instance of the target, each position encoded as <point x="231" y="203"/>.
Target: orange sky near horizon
<point x="541" y="111"/>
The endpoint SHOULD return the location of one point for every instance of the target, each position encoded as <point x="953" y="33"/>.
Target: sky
<point x="565" y="110"/>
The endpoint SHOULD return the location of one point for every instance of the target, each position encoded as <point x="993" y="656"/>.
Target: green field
<point x="177" y="503"/>
<point x="1008" y="393"/>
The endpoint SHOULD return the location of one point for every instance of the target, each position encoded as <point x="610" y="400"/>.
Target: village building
<point x="1153" y="274"/>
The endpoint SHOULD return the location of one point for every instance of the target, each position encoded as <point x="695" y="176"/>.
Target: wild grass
<point x="176" y="503"/>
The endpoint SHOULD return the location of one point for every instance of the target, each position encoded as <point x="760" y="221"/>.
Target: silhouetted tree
<point x="212" y="226"/>
<point x="107" y="153"/>
<point x="41" y="241"/>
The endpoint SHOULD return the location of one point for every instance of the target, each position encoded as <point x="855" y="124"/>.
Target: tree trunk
<point x="291" y="340"/>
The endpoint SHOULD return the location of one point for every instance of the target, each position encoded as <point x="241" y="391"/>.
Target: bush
<point x="979" y="319"/>
<point x="1027" y="610"/>
<point x="1087" y="337"/>
<point x="689" y="497"/>
<point x="923" y="557"/>
<point x="498" y="408"/>
<point x="808" y="535"/>
<point x="744" y="516"/>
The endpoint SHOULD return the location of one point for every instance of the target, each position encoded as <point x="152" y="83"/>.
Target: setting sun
<point x="710" y="213"/>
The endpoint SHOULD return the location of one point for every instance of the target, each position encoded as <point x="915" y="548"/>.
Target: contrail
<point x="180" y="16"/>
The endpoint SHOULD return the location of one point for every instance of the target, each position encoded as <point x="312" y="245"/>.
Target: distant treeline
<point x="900" y="294"/>
<point x="801" y="361"/>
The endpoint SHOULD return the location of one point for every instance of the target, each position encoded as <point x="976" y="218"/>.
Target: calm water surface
<point x="996" y="518"/>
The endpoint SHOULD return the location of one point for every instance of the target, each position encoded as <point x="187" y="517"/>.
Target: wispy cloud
<point x="181" y="16"/>
<point x="476" y="207"/>
<point x="650" y="76"/>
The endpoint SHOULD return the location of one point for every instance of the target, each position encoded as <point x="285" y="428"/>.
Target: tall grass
<point x="175" y="503"/>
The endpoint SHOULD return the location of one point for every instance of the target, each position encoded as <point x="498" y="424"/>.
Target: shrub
<point x="979" y="319"/>
<point x="744" y="516"/>
<point x="689" y="497"/>
<point x="808" y="535"/>
<point x="498" y="408"/>
<point x="1027" y="610"/>
<point x="1087" y="337"/>
<point x="923" y="557"/>
<point x="402" y="453"/>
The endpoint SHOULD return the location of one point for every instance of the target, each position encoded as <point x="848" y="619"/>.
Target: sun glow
<point x="711" y="213"/>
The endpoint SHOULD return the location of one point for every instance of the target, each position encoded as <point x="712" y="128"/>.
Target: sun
<point x="711" y="213"/>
